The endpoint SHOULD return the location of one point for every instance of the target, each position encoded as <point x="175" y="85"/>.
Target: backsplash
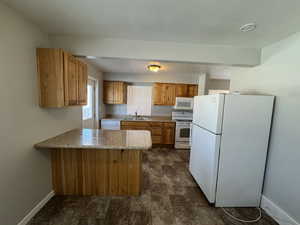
<point x="122" y="110"/>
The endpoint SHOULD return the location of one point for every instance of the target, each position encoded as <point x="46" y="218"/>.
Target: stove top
<point x="182" y="115"/>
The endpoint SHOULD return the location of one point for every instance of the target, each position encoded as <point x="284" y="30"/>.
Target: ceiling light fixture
<point x="248" y="27"/>
<point x="91" y="57"/>
<point x="154" y="68"/>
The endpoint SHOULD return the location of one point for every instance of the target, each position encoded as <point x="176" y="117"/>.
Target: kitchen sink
<point x="136" y="118"/>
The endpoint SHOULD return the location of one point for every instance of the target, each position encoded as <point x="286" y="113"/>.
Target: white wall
<point x="25" y="174"/>
<point x="154" y="77"/>
<point x="202" y="83"/>
<point x="95" y="73"/>
<point x="218" y="84"/>
<point x="279" y="75"/>
<point x="155" y="50"/>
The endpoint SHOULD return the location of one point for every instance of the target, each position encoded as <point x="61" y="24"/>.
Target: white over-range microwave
<point x="182" y="103"/>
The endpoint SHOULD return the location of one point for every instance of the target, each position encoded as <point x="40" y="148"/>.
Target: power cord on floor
<point x="258" y="218"/>
<point x="244" y="221"/>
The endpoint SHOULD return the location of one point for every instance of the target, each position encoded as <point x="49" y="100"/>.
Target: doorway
<point x="89" y="111"/>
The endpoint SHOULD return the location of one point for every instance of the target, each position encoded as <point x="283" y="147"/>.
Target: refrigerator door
<point x="208" y="112"/>
<point x="244" y="145"/>
<point x="204" y="160"/>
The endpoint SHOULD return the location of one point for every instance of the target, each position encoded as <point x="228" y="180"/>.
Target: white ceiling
<point x="129" y="66"/>
<point x="199" y="21"/>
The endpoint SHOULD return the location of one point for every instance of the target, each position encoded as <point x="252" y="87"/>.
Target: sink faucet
<point x="136" y="114"/>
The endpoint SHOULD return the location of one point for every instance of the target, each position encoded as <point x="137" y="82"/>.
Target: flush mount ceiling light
<point x="91" y="57"/>
<point x="248" y="27"/>
<point x="154" y="68"/>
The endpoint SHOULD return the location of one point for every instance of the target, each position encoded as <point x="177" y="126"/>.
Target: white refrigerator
<point x="230" y="135"/>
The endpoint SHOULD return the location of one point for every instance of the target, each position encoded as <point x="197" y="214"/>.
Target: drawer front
<point x="156" y="139"/>
<point x="156" y="124"/>
<point x="135" y="124"/>
<point x="135" y="128"/>
<point x="169" y="124"/>
<point x="156" y="131"/>
<point x="127" y="128"/>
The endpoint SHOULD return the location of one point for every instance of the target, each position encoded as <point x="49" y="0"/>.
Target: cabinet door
<point x="82" y="83"/>
<point x="51" y="77"/>
<point x="108" y="92"/>
<point x="181" y="90"/>
<point x="158" y="94"/>
<point x="71" y="80"/>
<point x="118" y="92"/>
<point x="192" y="90"/>
<point x="169" y="94"/>
<point x="169" y="133"/>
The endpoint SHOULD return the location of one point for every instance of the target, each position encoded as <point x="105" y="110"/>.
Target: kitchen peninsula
<point x="97" y="162"/>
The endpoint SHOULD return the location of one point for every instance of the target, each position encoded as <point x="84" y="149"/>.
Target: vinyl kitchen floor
<point x="170" y="197"/>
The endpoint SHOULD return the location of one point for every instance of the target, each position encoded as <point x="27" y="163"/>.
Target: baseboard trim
<point x="278" y="214"/>
<point x="37" y="208"/>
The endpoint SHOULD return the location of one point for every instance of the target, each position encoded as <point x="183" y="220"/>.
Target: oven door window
<point x="184" y="133"/>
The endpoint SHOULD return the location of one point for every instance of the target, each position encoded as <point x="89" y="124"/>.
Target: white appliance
<point x="110" y="124"/>
<point x="182" y="103"/>
<point x="230" y="137"/>
<point x="183" y="128"/>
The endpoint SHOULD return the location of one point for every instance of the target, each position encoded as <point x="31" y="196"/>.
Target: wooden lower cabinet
<point x="169" y="133"/>
<point x="161" y="132"/>
<point x="96" y="172"/>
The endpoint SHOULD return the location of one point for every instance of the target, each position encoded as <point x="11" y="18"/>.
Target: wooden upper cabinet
<point x="192" y="90"/>
<point x="169" y="94"/>
<point x="62" y="78"/>
<point x="166" y="93"/>
<point x="82" y="83"/>
<point x="158" y="94"/>
<point x="71" y="80"/>
<point x="181" y="90"/>
<point x="114" y="92"/>
<point x="50" y="70"/>
<point x="120" y="92"/>
<point x="108" y="92"/>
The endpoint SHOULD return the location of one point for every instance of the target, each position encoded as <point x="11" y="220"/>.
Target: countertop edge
<point x="42" y="145"/>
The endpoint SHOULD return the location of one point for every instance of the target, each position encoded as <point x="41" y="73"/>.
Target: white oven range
<point x="183" y="129"/>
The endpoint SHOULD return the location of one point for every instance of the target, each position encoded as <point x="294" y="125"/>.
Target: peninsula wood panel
<point x="96" y="172"/>
<point x="134" y="172"/>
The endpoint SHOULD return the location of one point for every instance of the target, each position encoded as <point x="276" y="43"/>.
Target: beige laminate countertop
<point x="146" y="118"/>
<point x="99" y="139"/>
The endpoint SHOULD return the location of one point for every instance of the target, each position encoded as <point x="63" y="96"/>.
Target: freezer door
<point x="204" y="160"/>
<point x="208" y="112"/>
